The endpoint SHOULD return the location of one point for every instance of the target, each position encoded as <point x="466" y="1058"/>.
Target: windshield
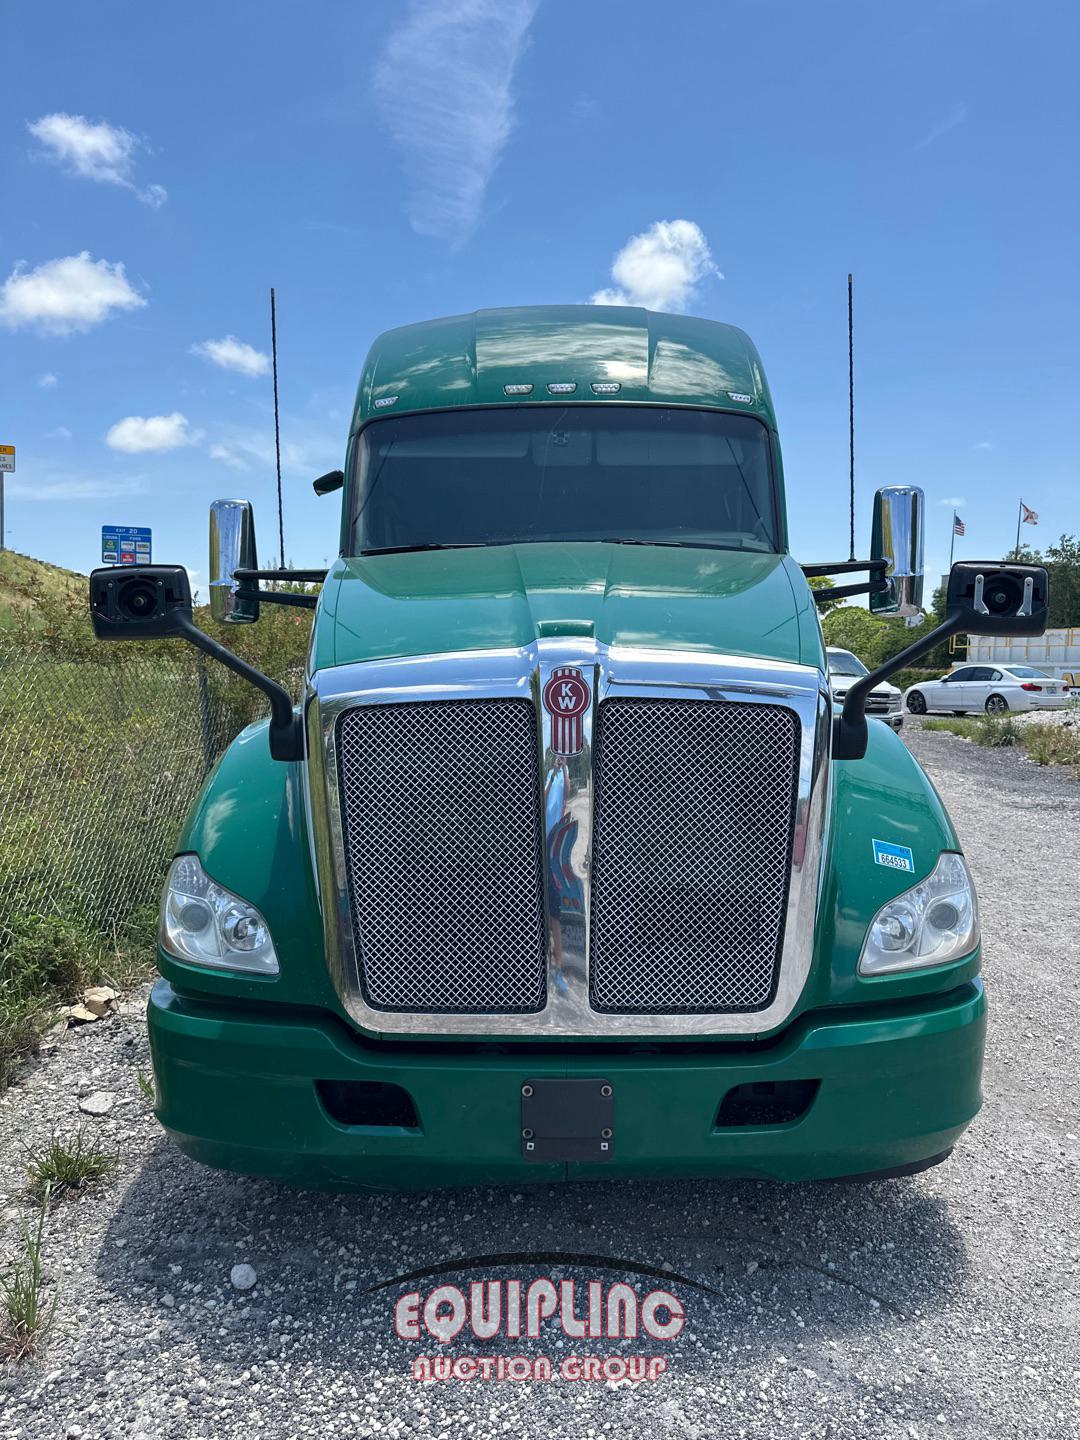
<point x="503" y="476"/>
<point x="842" y="662"/>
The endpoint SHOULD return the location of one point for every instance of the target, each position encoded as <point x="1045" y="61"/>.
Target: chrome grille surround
<point x="692" y="828"/>
<point x="613" y="672"/>
<point x="440" y="805"/>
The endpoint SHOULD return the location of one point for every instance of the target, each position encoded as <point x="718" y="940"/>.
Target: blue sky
<point x="382" y="163"/>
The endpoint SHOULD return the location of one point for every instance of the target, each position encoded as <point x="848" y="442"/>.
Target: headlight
<point x="204" y="922"/>
<point x="934" y="922"/>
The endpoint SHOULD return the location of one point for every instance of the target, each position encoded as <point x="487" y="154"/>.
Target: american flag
<point x="957" y="524"/>
<point x="1029" y="517"/>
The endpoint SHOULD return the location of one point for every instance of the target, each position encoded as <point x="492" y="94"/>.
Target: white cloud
<point x="62" y="296"/>
<point x="95" y="151"/>
<point x="134" y="433"/>
<point x="954" y="502"/>
<point x="233" y="354"/>
<point x="660" y="268"/>
<point x="73" y="487"/>
<point x="956" y="116"/>
<point x="444" y="87"/>
<point x="983" y="445"/>
<point x="61" y="432"/>
<point x="48" y="380"/>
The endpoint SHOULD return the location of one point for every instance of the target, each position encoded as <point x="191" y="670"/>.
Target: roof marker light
<point x="562" y="387"/>
<point x="386" y="400"/>
<point x="742" y="399"/>
<point x="517" y="389"/>
<point x="606" y="387"/>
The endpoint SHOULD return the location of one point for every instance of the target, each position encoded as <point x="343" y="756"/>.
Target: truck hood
<point x="507" y="596"/>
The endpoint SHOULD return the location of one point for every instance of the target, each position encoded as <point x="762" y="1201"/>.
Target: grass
<point x="1044" y="744"/>
<point x="46" y="962"/>
<point x="25" y="1315"/>
<point x="1052" y="744"/>
<point x="67" y="1167"/>
<point x="25" y="583"/>
<point x="145" y="1083"/>
<point x="982" y="729"/>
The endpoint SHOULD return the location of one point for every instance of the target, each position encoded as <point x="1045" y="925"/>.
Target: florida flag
<point x="1029" y="517"/>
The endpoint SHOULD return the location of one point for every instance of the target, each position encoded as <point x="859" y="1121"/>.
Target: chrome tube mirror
<point x="897" y="540"/>
<point x="232" y="548"/>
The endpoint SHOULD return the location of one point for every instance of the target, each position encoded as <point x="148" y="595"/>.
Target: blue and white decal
<point x="896" y="857"/>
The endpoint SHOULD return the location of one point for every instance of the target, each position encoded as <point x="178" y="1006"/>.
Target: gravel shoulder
<point x="946" y="1304"/>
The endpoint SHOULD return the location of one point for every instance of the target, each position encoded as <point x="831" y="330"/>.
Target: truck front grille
<point x="440" y="807"/>
<point x="692" y="835"/>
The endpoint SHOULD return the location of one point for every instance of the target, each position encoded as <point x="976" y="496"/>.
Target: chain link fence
<point x="100" y="758"/>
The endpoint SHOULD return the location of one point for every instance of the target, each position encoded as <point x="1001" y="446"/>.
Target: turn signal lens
<point x="206" y="924"/>
<point x="934" y="922"/>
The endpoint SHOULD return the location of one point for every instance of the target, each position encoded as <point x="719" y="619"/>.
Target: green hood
<point x="507" y="596"/>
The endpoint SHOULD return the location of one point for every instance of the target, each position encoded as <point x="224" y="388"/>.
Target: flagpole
<point x="1019" y="514"/>
<point x="952" y="538"/>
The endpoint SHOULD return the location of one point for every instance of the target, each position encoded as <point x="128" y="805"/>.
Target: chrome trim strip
<point x="611" y="671"/>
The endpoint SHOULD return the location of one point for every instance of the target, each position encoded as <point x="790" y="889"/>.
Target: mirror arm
<point x="841" y="592"/>
<point x="306" y="577"/>
<point x="849" y="727"/>
<point x="842" y="567"/>
<point x="286" y="730"/>
<point x="278" y="597"/>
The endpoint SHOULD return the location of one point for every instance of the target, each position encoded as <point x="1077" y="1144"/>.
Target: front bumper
<point x="236" y="1089"/>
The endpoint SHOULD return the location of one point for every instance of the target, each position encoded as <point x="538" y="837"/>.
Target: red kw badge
<point x="566" y="698"/>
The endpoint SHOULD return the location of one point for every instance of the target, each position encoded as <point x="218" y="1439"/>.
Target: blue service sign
<point x="125" y="545"/>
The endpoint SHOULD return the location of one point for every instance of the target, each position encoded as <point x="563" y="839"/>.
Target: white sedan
<point x="993" y="688"/>
<point x="883" y="701"/>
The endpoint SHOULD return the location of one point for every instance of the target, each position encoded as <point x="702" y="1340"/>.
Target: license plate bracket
<point x="567" y="1120"/>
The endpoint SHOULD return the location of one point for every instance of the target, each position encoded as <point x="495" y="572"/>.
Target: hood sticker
<point x="896" y="857"/>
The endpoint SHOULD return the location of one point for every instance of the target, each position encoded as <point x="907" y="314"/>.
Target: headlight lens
<point x="203" y="922"/>
<point x="931" y="924"/>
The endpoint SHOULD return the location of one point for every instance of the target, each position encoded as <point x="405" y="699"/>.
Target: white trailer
<point x="1057" y="652"/>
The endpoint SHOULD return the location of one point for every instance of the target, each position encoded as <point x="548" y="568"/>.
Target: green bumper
<point x="236" y="1089"/>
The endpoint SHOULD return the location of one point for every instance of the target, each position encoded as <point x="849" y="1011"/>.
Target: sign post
<point x="125" y="545"/>
<point x="7" y="467"/>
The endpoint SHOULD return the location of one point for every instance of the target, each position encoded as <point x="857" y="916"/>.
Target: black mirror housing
<point x="139" y="602"/>
<point x="331" y="481"/>
<point x="994" y="597"/>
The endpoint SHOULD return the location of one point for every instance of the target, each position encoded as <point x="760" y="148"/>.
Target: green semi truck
<point x="565" y="867"/>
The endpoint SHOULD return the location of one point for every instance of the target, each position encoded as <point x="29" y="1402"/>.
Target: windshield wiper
<point x="427" y="545"/>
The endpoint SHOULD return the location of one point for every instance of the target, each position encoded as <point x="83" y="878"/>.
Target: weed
<point x="1052" y="744"/>
<point x="25" y="1316"/>
<point x="67" y="1168"/>
<point x="146" y="1084"/>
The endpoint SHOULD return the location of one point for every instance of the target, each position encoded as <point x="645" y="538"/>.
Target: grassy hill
<point x="23" y="579"/>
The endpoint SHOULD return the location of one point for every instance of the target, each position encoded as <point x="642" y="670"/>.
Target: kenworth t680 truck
<point x="564" y="867"/>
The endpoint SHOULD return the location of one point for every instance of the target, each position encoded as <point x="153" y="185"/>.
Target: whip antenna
<point x="277" y="431"/>
<point x="851" y="420"/>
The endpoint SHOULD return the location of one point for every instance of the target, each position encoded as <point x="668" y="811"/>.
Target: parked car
<point x="993" y="688"/>
<point x="884" y="701"/>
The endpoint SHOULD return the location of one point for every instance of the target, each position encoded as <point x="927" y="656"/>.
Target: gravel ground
<point x="946" y="1304"/>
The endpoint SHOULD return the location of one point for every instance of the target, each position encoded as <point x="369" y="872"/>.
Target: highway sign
<point x="7" y="458"/>
<point x="125" y="545"/>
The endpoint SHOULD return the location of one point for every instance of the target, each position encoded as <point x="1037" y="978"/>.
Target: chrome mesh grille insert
<point x="440" y="806"/>
<point x="692" y="833"/>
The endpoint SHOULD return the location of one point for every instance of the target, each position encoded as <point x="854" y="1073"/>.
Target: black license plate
<point x="567" y="1120"/>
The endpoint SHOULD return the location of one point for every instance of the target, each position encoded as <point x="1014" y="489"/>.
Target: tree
<point x="1062" y="562"/>
<point x="820" y="583"/>
<point x="850" y="627"/>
